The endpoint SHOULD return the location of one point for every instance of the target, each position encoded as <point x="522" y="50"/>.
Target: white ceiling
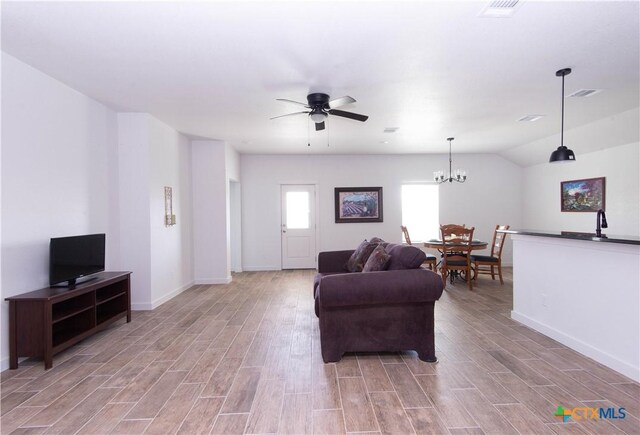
<point x="433" y="69"/>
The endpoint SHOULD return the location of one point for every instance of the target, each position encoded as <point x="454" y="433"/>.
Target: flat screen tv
<point x="75" y="257"/>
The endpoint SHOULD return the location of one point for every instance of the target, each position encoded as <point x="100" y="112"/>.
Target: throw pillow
<point x="360" y="256"/>
<point x="377" y="261"/>
<point x="404" y="257"/>
<point x="376" y="240"/>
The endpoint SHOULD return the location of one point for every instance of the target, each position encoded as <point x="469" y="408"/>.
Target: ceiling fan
<point x="320" y="107"/>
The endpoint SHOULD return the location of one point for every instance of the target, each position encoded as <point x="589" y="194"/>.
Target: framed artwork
<point x="358" y="204"/>
<point x="169" y="217"/>
<point x="586" y="195"/>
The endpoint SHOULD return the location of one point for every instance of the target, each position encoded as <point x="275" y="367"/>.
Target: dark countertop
<point x="573" y="235"/>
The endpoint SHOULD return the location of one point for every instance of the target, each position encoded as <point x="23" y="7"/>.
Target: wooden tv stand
<point x="47" y="321"/>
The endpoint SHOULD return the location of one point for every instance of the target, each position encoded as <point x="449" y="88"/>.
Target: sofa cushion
<point x="377" y="261"/>
<point x="360" y="256"/>
<point x="404" y="257"/>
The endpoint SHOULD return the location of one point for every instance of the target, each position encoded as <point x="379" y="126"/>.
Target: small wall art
<point x="358" y="204"/>
<point x="169" y="217"/>
<point x="587" y="195"/>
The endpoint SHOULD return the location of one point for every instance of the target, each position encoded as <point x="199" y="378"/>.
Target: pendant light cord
<point x="562" y="117"/>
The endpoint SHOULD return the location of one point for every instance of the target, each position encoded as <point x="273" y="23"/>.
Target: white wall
<point x="153" y="155"/>
<point x="490" y="196"/>
<point x="210" y="212"/>
<point x="134" y="212"/>
<point x="171" y="250"/>
<point x="620" y="165"/>
<point x="58" y="148"/>
<point x="235" y="222"/>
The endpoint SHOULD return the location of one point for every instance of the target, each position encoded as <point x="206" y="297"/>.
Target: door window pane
<point x="420" y="211"/>
<point x="298" y="210"/>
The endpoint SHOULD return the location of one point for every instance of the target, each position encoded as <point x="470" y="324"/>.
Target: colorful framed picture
<point x="358" y="204"/>
<point x="586" y="195"/>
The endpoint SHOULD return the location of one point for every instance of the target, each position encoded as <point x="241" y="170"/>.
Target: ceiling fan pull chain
<point x="308" y="134"/>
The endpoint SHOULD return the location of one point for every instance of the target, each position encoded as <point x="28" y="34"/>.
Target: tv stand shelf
<point x="47" y="321"/>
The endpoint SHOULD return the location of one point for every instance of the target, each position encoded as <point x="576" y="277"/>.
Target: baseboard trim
<point x="146" y="306"/>
<point x="141" y="306"/>
<point x="4" y="364"/>
<point x="208" y="281"/>
<point x="261" y="268"/>
<point x="580" y="346"/>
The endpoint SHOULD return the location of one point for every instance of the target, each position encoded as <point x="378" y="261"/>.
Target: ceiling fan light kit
<point x="317" y="116"/>
<point x="562" y="154"/>
<point x="459" y="175"/>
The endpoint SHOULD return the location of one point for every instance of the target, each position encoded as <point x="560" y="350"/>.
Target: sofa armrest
<point x="333" y="261"/>
<point x="379" y="288"/>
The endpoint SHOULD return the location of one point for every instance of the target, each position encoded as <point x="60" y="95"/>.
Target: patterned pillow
<point x="378" y="260"/>
<point x="376" y="240"/>
<point x="360" y="256"/>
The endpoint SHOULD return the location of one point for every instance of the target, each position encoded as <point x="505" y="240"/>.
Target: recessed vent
<point x="391" y="129"/>
<point x="585" y="93"/>
<point x="530" y="118"/>
<point x="500" y="8"/>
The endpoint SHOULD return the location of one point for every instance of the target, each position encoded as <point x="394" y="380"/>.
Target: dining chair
<point x="431" y="260"/>
<point x="456" y="252"/>
<point x="486" y="263"/>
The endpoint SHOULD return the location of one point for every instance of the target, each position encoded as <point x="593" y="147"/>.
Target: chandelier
<point x="459" y="175"/>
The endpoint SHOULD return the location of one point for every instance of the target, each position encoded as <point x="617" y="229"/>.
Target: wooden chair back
<point x="498" y="241"/>
<point x="456" y="250"/>
<point x="405" y="232"/>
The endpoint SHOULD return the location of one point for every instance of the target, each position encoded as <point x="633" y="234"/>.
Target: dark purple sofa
<point x="385" y="311"/>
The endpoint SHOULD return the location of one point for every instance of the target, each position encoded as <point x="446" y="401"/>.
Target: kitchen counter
<point x="573" y="235"/>
<point x="583" y="294"/>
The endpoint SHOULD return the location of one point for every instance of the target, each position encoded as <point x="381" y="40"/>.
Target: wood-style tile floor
<point x="245" y="358"/>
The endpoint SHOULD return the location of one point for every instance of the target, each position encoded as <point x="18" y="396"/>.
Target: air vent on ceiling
<point x="500" y="8"/>
<point x="530" y="118"/>
<point x="585" y="93"/>
<point x="391" y="129"/>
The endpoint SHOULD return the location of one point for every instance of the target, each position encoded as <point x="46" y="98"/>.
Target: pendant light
<point x="562" y="154"/>
<point x="459" y="175"/>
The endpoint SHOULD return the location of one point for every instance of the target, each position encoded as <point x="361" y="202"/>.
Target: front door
<point x="298" y="226"/>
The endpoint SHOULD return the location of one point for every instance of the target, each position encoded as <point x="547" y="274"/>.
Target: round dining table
<point x="437" y="244"/>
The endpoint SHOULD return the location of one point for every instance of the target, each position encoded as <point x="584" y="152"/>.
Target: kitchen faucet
<point x="601" y="222"/>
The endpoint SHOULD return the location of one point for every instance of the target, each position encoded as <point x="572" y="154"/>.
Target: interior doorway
<point x="298" y="226"/>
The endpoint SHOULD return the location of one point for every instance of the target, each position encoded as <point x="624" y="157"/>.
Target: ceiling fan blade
<point x="320" y="126"/>
<point x="349" y="115"/>
<point x="291" y="101"/>
<point x="288" y="114"/>
<point x="342" y="101"/>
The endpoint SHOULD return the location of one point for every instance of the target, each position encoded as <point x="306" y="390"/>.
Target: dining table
<point x="476" y="245"/>
<point x="437" y="244"/>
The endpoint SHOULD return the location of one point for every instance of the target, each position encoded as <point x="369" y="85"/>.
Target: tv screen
<point x="71" y="258"/>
